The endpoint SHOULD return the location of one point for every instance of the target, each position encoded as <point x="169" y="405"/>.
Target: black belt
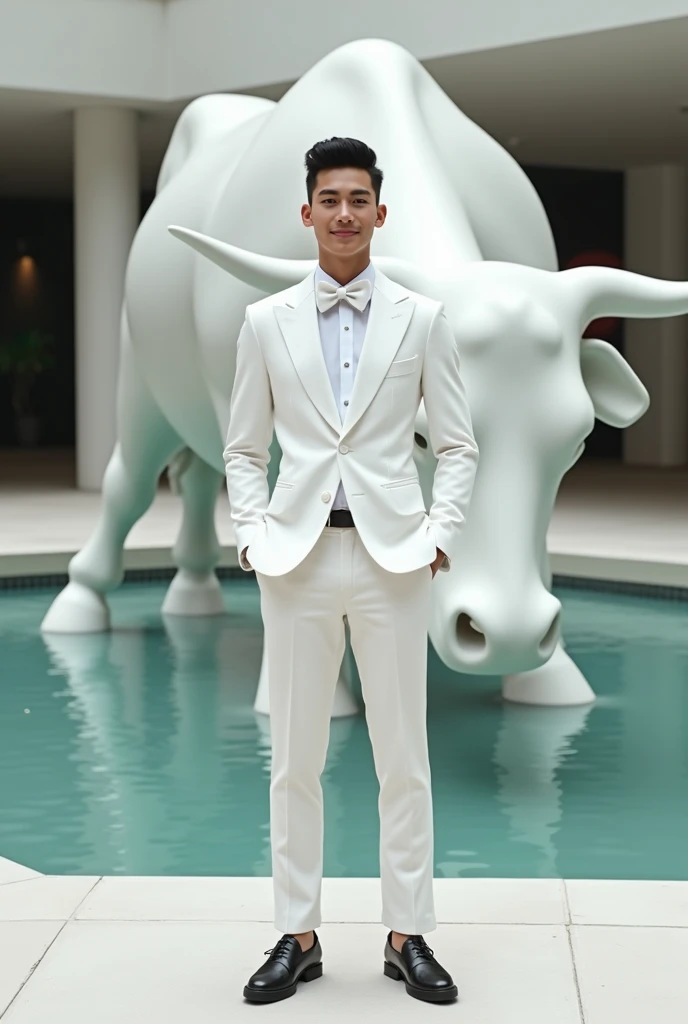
<point x="340" y="517"/>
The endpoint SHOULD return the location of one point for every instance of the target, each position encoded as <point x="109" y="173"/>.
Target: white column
<point x="106" y="215"/>
<point x="656" y="244"/>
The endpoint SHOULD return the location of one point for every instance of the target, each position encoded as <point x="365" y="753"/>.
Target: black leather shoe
<point x="286" y="965"/>
<point x="416" y="965"/>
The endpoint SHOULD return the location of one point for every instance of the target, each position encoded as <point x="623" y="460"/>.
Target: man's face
<point x="343" y="213"/>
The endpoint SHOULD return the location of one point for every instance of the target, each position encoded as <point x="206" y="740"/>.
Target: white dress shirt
<point x="342" y="333"/>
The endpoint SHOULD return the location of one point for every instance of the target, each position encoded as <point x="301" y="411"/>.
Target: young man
<point x="337" y="366"/>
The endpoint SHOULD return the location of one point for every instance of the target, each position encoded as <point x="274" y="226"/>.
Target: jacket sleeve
<point x="451" y="435"/>
<point x="247" y="449"/>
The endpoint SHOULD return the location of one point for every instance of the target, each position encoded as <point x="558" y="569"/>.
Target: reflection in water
<point x="627" y="809"/>
<point x="532" y="744"/>
<point x="141" y="817"/>
<point x="86" y="661"/>
<point x="152" y="721"/>
<point x="142" y="753"/>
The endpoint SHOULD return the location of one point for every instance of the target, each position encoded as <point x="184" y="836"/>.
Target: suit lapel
<point x="391" y="310"/>
<point x="298" y="321"/>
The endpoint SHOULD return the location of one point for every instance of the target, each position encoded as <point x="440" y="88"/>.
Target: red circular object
<point x="606" y="325"/>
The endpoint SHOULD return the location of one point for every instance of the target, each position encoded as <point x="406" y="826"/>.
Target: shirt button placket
<point x="346" y="332"/>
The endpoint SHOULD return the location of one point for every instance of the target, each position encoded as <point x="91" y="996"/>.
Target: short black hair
<point x="336" y="152"/>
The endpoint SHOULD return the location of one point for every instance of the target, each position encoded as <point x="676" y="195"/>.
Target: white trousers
<point x="303" y="616"/>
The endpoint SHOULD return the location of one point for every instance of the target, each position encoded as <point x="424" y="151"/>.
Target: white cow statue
<point x="465" y="226"/>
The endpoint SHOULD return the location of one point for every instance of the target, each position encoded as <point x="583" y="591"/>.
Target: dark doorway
<point x="586" y="212"/>
<point x="37" y="293"/>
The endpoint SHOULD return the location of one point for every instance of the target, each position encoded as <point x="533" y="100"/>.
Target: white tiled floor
<point x="44" y="520"/>
<point x="621" y="522"/>
<point x="45" y="898"/>
<point x="470" y="901"/>
<point x="10" y="871"/>
<point x="632" y="975"/>
<point x="652" y="904"/>
<point x="76" y="950"/>
<point x="22" y="945"/>
<point x="153" y="972"/>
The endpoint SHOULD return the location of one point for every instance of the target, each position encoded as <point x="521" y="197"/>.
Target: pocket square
<point x="401" y="366"/>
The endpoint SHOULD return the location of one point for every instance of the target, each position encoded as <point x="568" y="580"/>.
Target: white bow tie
<point x="356" y="294"/>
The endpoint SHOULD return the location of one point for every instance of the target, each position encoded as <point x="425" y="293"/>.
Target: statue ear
<point x="618" y="395"/>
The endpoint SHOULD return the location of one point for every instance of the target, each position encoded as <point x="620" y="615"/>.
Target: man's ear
<point x="618" y="395"/>
<point x="306" y="215"/>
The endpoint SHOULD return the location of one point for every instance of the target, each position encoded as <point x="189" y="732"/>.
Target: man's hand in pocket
<point x="438" y="562"/>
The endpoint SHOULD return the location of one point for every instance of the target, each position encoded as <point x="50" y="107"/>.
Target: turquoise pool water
<point x="138" y="752"/>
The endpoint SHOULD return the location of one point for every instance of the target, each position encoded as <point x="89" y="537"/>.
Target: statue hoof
<point x="557" y="683"/>
<point x="192" y="593"/>
<point x="77" y="609"/>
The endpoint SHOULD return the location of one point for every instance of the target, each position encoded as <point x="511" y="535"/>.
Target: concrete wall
<point x="149" y="49"/>
<point x="215" y="44"/>
<point x="100" y="48"/>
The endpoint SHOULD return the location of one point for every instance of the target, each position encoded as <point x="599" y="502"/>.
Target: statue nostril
<point x="469" y="635"/>
<point x="420" y="440"/>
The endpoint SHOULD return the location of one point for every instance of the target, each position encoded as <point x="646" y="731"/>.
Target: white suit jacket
<point x="281" y="383"/>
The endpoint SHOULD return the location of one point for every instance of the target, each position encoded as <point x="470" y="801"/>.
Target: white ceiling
<point x="608" y="100"/>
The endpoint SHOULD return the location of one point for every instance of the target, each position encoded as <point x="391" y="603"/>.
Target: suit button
<point x="343" y="448"/>
<point x="325" y="496"/>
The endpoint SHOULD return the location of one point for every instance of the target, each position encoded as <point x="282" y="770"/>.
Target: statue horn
<point x="270" y="274"/>
<point x="605" y="291"/>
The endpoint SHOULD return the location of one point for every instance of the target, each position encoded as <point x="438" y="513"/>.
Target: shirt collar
<point x="366" y="275"/>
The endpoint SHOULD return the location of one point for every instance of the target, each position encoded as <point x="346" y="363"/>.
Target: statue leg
<point x="559" y="682"/>
<point x="195" y="590"/>
<point x="146" y="444"/>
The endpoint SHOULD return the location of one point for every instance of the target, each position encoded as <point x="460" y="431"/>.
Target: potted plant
<point x="24" y="355"/>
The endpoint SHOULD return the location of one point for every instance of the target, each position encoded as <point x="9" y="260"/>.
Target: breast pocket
<point x="400" y="367"/>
